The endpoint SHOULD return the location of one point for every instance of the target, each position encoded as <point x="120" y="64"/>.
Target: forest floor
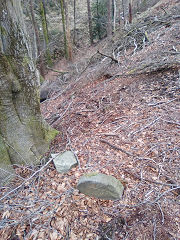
<point x="121" y="119"/>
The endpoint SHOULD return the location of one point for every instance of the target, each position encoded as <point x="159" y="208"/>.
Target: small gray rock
<point x="64" y="161"/>
<point x="100" y="186"/>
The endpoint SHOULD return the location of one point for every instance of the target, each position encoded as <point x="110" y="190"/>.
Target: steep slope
<point x="120" y="116"/>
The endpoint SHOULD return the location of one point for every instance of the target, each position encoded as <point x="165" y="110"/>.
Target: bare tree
<point x="74" y="37"/>
<point x="90" y="21"/>
<point x="36" y="30"/>
<point x="45" y="30"/>
<point x="109" y="22"/>
<point x="130" y="11"/>
<point x="114" y="15"/>
<point x="68" y="32"/>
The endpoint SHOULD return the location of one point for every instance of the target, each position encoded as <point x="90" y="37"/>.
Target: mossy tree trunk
<point x="45" y="31"/>
<point x="24" y="136"/>
<point x="64" y="28"/>
<point x="36" y="30"/>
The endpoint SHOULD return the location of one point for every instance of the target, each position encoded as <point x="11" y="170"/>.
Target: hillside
<point x="117" y="107"/>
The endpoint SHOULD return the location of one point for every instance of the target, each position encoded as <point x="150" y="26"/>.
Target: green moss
<point x="26" y="61"/>
<point x="41" y="79"/>
<point x="50" y="134"/>
<point x="91" y="174"/>
<point x="3" y="30"/>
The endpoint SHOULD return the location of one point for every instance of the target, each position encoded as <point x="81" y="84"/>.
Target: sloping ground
<point x="125" y="124"/>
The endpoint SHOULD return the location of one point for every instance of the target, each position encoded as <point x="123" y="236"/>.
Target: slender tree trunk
<point x="114" y="16"/>
<point x="45" y="31"/>
<point x="40" y="56"/>
<point x="123" y="8"/>
<point x="68" y="32"/>
<point x="130" y="11"/>
<point x="109" y="23"/>
<point x="64" y="28"/>
<point x="90" y="21"/>
<point x="24" y="136"/>
<point x="98" y="17"/>
<point x="74" y="37"/>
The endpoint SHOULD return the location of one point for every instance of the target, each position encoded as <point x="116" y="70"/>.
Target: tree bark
<point x="109" y="23"/>
<point x="74" y="36"/>
<point x="90" y="21"/>
<point x="24" y="135"/>
<point x="64" y="28"/>
<point x="45" y="31"/>
<point x="68" y="33"/>
<point x="40" y="56"/>
<point x="114" y="16"/>
<point x="130" y="11"/>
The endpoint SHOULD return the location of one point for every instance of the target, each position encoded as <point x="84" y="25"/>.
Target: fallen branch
<point x="54" y="70"/>
<point x="113" y="59"/>
<point x="173" y="184"/>
<point x="117" y="148"/>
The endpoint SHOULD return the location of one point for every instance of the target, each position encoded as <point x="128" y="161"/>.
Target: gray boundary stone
<point x="100" y="186"/>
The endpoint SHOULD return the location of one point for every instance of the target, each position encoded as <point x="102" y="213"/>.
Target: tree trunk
<point x="123" y="8"/>
<point x="98" y="19"/>
<point x="40" y="56"/>
<point x="64" y="28"/>
<point x="24" y="136"/>
<point x="90" y="21"/>
<point x="130" y="11"/>
<point x="114" y="15"/>
<point x="68" y="33"/>
<point x="45" y="31"/>
<point x="74" y="36"/>
<point x="109" y="23"/>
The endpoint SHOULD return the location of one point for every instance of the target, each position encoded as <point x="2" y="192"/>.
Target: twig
<point x="148" y="180"/>
<point x="7" y="194"/>
<point x="116" y="147"/>
<point x="113" y="59"/>
<point x="148" y="125"/>
<point x="55" y="70"/>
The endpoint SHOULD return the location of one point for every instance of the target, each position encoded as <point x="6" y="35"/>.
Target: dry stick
<point x="148" y="180"/>
<point x="54" y="70"/>
<point x="117" y="148"/>
<point x="26" y="180"/>
<point x="113" y="59"/>
<point x="132" y="174"/>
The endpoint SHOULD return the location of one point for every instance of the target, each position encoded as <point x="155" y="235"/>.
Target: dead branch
<point x="55" y="70"/>
<point x="116" y="147"/>
<point x="113" y="59"/>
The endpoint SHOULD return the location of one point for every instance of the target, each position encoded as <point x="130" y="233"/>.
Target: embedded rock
<point x="100" y="186"/>
<point x="64" y="161"/>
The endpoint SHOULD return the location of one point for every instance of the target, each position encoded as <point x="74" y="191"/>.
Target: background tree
<point x="68" y="32"/>
<point x="45" y="30"/>
<point x="24" y="135"/>
<point x="109" y="18"/>
<point x="90" y="21"/>
<point x="74" y="36"/>
<point x="38" y="42"/>
<point x="99" y="19"/>
<point x="114" y="15"/>
<point x="64" y="28"/>
<point x="130" y="11"/>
